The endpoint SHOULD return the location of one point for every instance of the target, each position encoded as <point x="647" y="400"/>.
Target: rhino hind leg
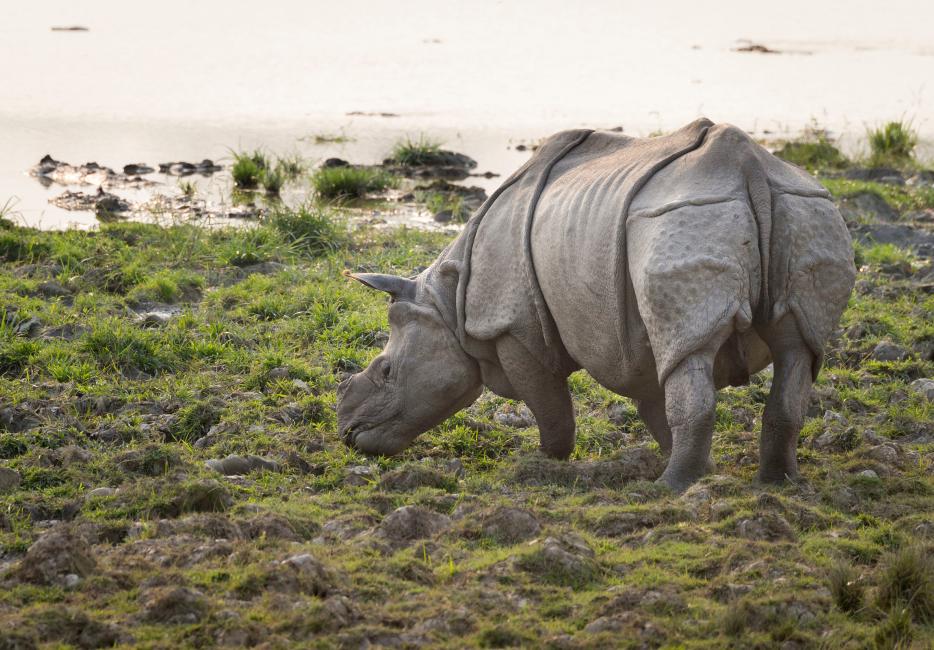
<point x="787" y="401"/>
<point x="690" y="407"/>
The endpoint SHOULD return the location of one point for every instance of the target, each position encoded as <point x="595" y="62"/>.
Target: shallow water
<point x="185" y="81"/>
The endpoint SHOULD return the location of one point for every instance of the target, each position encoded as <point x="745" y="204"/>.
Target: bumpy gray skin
<point x="665" y="267"/>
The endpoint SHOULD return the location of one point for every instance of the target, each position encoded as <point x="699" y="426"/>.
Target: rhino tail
<point x="760" y="197"/>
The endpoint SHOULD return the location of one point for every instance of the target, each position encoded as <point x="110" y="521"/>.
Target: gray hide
<point x="666" y="267"/>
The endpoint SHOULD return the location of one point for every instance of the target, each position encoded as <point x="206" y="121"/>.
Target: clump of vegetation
<point x="907" y="582"/>
<point x="892" y="145"/>
<point x="188" y="189"/>
<point x="308" y="229"/>
<point x="438" y="202"/>
<point x="253" y="169"/>
<point x="273" y="180"/>
<point x="346" y="183"/>
<point x="815" y="151"/>
<point x="414" y="153"/>
<point x="846" y="588"/>
<point x="248" y="169"/>
<point x="881" y="254"/>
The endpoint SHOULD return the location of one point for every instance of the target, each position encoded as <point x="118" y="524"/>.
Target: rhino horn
<point x="398" y="287"/>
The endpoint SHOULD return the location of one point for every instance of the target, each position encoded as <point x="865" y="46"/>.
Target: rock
<point x="55" y="555"/>
<point x="875" y="174"/>
<point x="866" y="207"/>
<point x="9" y="479"/>
<point x="444" y="216"/>
<point x="888" y="351"/>
<point x="137" y="169"/>
<point x="515" y="416"/>
<point x="869" y="474"/>
<point x="565" y="559"/>
<point x="832" y="417"/>
<point x="301" y="574"/>
<point x="620" y="414"/>
<point x="409" y="523"/>
<point x="904" y="236"/>
<point x="923" y="387"/>
<point x="278" y="373"/>
<point x="173" y="605"/>
<point x="887" y="454"/>
<point x="769" y="526"/>
<point x="75" y="628"/>
<point x="17" y="640"/>
<point x="206" y="167"/>
<point x="234" y="465"/>
<point x="270" y="526"/>
<point x="335" y="162"/>
<point x="100" y="492"/>
<point x="101" y="203"/>
<point x="412" y="477"/>
<point x="358" y="475"/>
<point x="67" y="332"/>
<point x="633" y="464"/>
<point x="507" y="525"/>
<point x="202" y="496"/>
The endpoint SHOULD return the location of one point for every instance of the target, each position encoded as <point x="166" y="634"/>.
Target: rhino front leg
<point x="545" y="393"/>
<point x="652" y="412"/>
<point x="787" y="403"/>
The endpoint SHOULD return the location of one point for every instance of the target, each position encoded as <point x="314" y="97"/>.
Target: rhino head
<point x="422" y="377"/>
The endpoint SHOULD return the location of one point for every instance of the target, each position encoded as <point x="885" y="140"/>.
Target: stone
<point x="410" y="523"/>
<point x="867" y="206"/>
<point x="412" y="477"/>
<point x="768" y="526"/>
<point x="507" y="525"/>
<point x="234" y="465"/>
<point x="57" y="554"/>
<point x="173" y="606"/>
<point x="869" y="474"/>
<point x="100" y="492"/>
<point x="516" y="417"/>
<point x="888" y="351"/>
<point x="9" y="479"/>
<point x="358" y="475"/>
<point x="923" y="387"/>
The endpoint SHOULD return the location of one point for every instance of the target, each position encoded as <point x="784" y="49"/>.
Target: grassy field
<point x="135" y="360"/>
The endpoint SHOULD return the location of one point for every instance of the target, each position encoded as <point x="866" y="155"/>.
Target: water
<point x="185" y="81"/>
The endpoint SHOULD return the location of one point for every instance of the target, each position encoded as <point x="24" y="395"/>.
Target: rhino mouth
<point x="351" y="432"/>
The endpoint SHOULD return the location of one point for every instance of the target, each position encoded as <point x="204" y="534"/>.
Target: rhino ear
<point x="398" y="287"/>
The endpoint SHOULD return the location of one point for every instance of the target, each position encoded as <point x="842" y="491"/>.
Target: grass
<point x="901" y="197"/>
<point x="422" y="151"/>
<point x="347" y="183"/>
<point x="892" y="145"/>
<point x="248" y="169"/>
<point x="250" y="366"/>
<point x="815" y="151"/>
<point x="437" y="202"/>
<point x="254" y="169"/>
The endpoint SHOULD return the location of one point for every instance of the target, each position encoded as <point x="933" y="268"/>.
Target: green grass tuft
<point x="248" y="169"/>
<point x="813" y="152"/>
<point x="345" y="183"/>
<point x="907" y="581"/>
<point x="308" y="229"/>
<point x="892" y="145"/>
<point x="416" y="152"/>
<point x="845" y="588"/>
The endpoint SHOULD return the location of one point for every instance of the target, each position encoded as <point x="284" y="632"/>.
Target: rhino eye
<point x="386" y="369"/>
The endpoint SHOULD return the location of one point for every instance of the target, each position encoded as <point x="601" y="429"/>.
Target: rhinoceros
<point x="665" y="267"/>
